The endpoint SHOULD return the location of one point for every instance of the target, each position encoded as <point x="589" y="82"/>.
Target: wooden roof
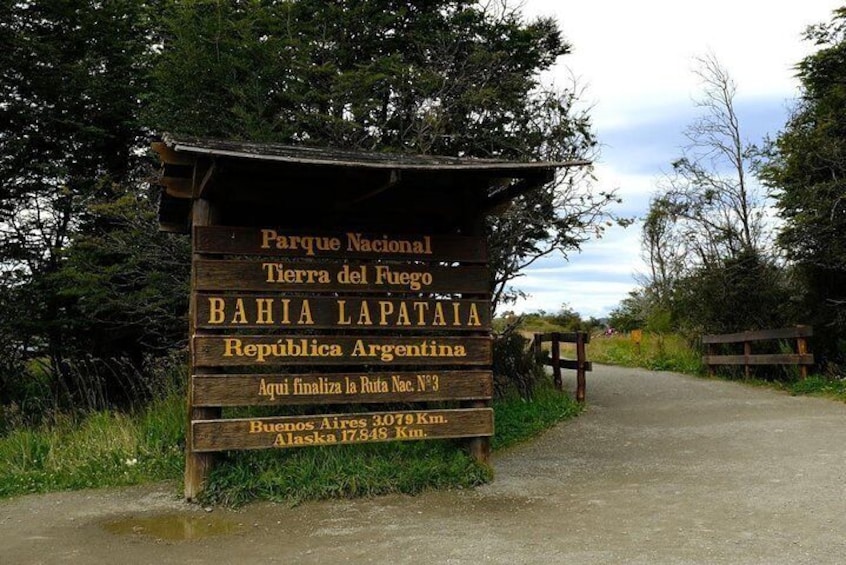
<point x="358" y="159"/>
<point x="240" y="171"/>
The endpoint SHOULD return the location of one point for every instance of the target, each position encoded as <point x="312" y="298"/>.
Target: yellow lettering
<point x="438" y="318"/>
<point x="385" y="310"/>
<point x="343" y="318"/>
<point x="402" y="317"/>
<point x="422" y="308"/>
<point x="216" y="306"/>
<point x="240" y="316"/>
<point x="286" y="311"/>
<point x="305" y="314"/>
<point x="266" y="237"/>
<point x="264" y="310"/>
<point x="364" y="315"/>
<point x="232" y="347"/>
<point x="473" y="316"/>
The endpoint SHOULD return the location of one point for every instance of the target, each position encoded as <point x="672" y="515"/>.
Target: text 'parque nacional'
<point x="354" y="242"/>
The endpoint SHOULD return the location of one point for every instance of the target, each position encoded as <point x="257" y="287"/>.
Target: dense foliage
<point x="74" y="75"/>
<point x="440" y="77"/>
<point x="806" y="172"/>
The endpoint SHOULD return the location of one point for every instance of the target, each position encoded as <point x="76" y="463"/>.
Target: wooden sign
<point x="348" y="245"/>
<point x="335" y="429"/>
<point x="302" y="313"/>
<point x="292" y="276"/>
<point x="351" y="306"/>
<point x="268" y="350"/>
<point x="340" y="388"/>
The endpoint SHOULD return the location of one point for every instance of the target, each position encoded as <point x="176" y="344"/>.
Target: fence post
<point x="580" y="370"/>
<point x="537" y="347"/>
<point x="556" y="361"/>
<point x="802" y="349"/>
<point x="711" y="350"/>
<point x="747" y="351"/>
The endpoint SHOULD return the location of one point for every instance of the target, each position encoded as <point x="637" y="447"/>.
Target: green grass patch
<point x="813" y="385"/>
<point x="668" y="352"/>
<point x="673" y="353"/>
<point x="98" y="450"/>
<point x="111" y="449"/>
<point x="518" y="420"/>
<point x="296" y="475"/>
<point x="820" y="386"/>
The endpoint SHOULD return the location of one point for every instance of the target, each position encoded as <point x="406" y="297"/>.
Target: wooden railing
<point x="580" y="364"/>
<point x="801" y="357"/>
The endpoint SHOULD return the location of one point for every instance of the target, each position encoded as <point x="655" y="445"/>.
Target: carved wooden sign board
<point x="284" y="317"/>
<point x="344" y="293"/>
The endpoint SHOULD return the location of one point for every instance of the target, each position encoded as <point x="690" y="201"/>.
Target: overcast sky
<point x="635" y="62"/>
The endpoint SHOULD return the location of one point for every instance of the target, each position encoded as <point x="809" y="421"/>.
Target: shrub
<point x="514" y="366"/>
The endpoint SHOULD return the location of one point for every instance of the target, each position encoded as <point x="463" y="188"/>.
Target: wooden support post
<point x="537" y="344"/>
<point x="711" y="350"/>
<point x="479" y="448"/>
<point x="556" y="361"/>
<point x="802" y="349"/>
<point x="197" y="465"/>
<point x="747" y="351"/>
<point x="581" y="356"/>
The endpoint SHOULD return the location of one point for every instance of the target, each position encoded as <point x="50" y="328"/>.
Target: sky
<point x="634" y="62"/>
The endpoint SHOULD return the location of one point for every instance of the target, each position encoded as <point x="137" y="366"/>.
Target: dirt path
<point x="661" y="468"/>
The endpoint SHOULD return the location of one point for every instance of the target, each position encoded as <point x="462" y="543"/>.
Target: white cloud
<point x="636" y="57"/>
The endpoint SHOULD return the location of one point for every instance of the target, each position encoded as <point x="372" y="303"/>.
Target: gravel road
<point x="661" y="468"/>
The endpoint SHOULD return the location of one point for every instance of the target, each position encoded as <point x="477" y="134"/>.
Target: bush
<point x="514" y="366"/>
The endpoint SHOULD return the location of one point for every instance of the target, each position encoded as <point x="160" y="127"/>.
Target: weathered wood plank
<point x="274" y="311"/>
<point x="762" y="359"/>
<point x="760" y="335"/>
<point x="292" y="276"/>
<point x="563" y="337"/>
<point x="278" y="242"/>
<point x="340" y="388"/>
<point x="275" y="350"/>
<point x="570" y="364"/>
<point x="334" y="429"/>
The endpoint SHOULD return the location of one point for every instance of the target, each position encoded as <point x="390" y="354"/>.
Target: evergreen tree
<point x="806" y="172"/>
<point x="72" y="81"/>
<point x="443" y="77"/>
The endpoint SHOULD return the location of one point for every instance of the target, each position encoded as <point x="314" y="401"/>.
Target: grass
<point x="348" y="471"/>
<point x="673" y="353"/>
<point x="110" y="449"/>
<point x="818" y="385"/>
<point x="656" y="352"/>
<point x="99" y="450"/>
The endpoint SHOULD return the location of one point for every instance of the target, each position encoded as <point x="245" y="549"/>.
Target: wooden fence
<point x="580" y="364"/>
<point x="801" y="357"/>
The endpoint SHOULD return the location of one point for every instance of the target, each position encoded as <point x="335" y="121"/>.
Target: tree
<point x="443" y="77"/>
<point x="69" y="99"/>
<point x="714" y="210"/>
<point x="703" y="236"/>
<point x="805" y="170"/>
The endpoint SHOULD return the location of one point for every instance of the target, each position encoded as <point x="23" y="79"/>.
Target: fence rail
<point x="580" y="364"/>
<point x="801" y="357"/>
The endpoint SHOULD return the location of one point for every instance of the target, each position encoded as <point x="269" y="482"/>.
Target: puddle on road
<point x="173" y="527"/>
